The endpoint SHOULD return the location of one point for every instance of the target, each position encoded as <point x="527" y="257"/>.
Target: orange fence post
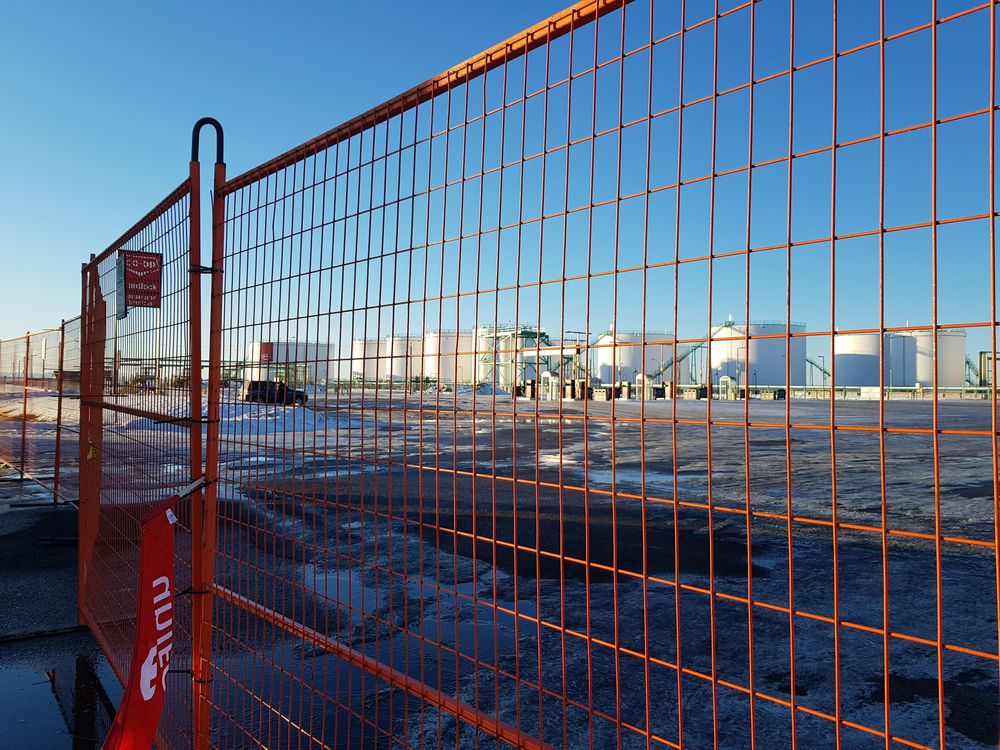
<point x="91" y="389"/>
<point x="60" y="379"/>
<point x="203" y="501"/>
<point x="24" y="403"/>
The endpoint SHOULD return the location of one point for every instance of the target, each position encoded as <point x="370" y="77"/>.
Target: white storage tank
<point x="764" y="363"/>
<point x="908" y="359"/>
<point x="856" y="357"/>
<point x="950" y="358"/>
<point x="615" y="358"/>
<point x="416" y="358"/>
<point x="438" y="354"/>
<point x="367" y="359"/>
<point x="397" y="350"/>
<point x="900" y="360"/>
<point x="429" y="360"/>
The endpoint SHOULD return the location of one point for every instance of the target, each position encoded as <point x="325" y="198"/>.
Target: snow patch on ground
<point x="483" y="389"/>
<point x="253" y="419"/>
<point x="41" y="407"/>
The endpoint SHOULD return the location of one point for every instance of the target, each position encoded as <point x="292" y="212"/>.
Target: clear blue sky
<point x="98" y="100"/>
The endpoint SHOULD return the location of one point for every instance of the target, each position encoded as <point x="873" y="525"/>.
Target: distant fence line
<point x="39" y="408"/>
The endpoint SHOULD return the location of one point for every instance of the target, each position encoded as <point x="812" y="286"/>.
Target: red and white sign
<point x="135" y="723"/>
<point x="139" y="280"/>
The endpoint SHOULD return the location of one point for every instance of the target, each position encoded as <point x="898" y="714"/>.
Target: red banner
<point x="138" y="715"/>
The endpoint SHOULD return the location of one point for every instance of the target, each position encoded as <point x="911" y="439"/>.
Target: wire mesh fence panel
<point x="137" y="393"/>
<point x="34" y="408"/>
<point x="66" y="484"/>
<point x="41" y="405"/>
<point x="13" y="355"/>
<point x="628" y="384"/>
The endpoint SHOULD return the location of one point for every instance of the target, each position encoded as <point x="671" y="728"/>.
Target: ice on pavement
<point x="261" y="418"/>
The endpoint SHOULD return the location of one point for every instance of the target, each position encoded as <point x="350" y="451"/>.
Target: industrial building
<point x="503" y="356"/>
<point x="289" y="361"/>
<point x="738" y="356"/>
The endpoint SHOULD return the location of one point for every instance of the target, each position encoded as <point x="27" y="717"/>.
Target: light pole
<point x="822" y="360"/>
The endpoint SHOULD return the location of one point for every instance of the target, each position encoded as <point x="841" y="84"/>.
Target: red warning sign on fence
<point x="139" y="280"/>
<point x="135" y="723"/>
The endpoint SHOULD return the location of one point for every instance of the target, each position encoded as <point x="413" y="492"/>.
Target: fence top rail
<point x="175" y="195"/>
<point x="29" y="334"/>
<point x="521" y="43"/>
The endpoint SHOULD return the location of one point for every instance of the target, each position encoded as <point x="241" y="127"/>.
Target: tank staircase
<point x="817" y="366"/>
<point x="972" y="376"/>
<point x="658" y="373"/>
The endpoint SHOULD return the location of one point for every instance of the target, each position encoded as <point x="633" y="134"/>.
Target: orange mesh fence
<point x="66" y="452"/>
<point x="14" y="354"/>
<point x="38" y="406"/>
<point x="42" y="402"/>
<point x="140" y="424"/>
<point x="629" y="384"/>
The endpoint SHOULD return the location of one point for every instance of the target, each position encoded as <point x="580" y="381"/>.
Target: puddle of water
<point x="556" y="459"/>
<point x="657" y="482"/>
<point x="344" y="588"/>
<point x="429" y="592"/>
<point x="239" y="460"/>
<point x="414" y="652"/>
<point x="468" y="638"/>
<point x="53" y="696"/>
<point x="485" y="466"/>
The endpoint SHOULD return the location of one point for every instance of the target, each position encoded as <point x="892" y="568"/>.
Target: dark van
<point x="271" y="392"/>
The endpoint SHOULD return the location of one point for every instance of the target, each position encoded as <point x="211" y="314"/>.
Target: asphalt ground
<point x="56" y="688"/>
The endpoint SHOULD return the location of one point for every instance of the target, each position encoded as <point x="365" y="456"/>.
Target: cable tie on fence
<point x="196" y="485"/>
<point x="172" y="420"/>
<point x="204" y="269"/>
<point x="178" y="420"/>
<point x="191" y="591"/>
<point x="188" y="671"/>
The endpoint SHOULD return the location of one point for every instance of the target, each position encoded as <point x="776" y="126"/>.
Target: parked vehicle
<point x="271" y="392"/>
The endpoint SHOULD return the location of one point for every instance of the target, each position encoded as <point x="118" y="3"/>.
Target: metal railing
<point x="39" y="408"/>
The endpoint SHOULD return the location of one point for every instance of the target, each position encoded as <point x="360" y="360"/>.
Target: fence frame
<point x="93" y="404"/>
<point x="18" y="460"/>
<point x="204" y="500"/>
<point x="203" y="451"/>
